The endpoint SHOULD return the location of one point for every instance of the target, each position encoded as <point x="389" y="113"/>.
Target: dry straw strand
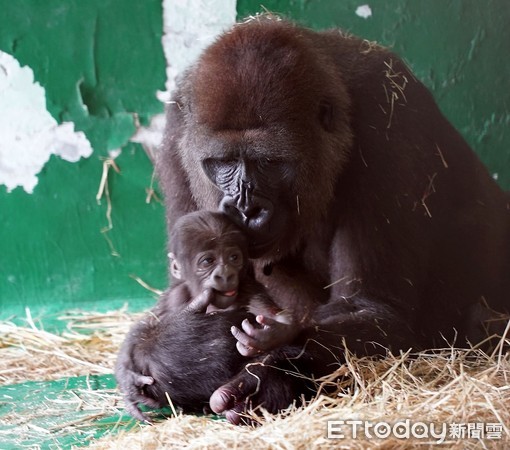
<point x="442" y="386"/>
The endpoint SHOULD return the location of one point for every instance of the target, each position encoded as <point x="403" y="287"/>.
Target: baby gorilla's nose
<point x="225" y="278"/>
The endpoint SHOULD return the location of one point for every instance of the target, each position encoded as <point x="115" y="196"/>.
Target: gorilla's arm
<point x="346" y="314"/>
<point x="281" y="376"/>
<point x="131" y="366"/>
<point x="144" y="349"/>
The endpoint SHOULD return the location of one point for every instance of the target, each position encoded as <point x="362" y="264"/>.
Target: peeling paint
<point x="30" y="135"/>
<point x="188" y="27"/>
<point x="364" y="11"/>
<point x="150" y="137"/>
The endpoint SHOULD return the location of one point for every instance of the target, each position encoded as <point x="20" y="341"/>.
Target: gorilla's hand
<point x="267" y="334"/>
<point x="131" y="384"/>
<point x="200" y="303"/>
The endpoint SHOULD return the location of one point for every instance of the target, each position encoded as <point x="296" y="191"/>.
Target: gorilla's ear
<point x="175" y="268"/>
<point x="326" y="115"/>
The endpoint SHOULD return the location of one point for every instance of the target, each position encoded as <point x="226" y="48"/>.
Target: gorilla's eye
<point x="219" y="170"/>
<point x="235" y="258"/>
<point x="264" y="162"/>
<point x="205" y="262"/>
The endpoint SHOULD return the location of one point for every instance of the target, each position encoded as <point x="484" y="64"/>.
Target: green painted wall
<point x="458" y="48"/>
<point x="100" y="61"/>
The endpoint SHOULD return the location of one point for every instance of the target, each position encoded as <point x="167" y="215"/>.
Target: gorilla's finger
<point x="265" y="321"/>
<point x="248" y="328"/>
<point x="199" y="304"/>
<point x="243" y="338"/>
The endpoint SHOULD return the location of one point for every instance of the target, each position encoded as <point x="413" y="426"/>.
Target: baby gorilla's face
<point x="220" y="268"/>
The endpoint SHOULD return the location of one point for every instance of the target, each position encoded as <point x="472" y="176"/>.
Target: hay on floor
<point x="452" y="387"/>
<point x="448" y="386"/>
<point x="87" y="346"/>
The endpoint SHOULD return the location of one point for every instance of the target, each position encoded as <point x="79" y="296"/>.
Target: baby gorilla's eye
<point x="206" y="262"/>
<point x="235" y="258"/>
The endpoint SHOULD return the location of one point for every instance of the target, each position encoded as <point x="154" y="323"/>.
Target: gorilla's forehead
<point x="241" y="86"/>
<point x="219" y="243"/>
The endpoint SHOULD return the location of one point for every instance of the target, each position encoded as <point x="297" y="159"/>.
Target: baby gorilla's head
<point x="208" y="251"/>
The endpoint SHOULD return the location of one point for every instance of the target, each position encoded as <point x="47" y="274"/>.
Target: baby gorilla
<point x="175" y="351"/>
<point x="211" y="272"/>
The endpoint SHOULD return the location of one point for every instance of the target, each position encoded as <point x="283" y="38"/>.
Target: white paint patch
<point x="150" y="137"/>
<point x="188" y="27"/>
<point x="364" y="11"/>
<point x="29" y="135"/>
<point x="115" y="153"/>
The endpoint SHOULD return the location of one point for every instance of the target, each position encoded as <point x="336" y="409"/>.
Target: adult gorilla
<point x="369" y="217"/>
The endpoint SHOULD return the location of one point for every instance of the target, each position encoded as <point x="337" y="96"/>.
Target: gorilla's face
<point x="255" y="195"/>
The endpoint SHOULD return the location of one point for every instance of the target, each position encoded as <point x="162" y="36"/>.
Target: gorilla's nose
<point x="225" y="276"/>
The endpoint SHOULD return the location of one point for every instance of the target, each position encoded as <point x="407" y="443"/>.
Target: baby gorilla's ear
<point x="175" y="267"/>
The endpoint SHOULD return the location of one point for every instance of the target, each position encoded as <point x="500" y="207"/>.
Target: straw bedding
<point x="459" y="387"/>
<point x="88" y="345"/>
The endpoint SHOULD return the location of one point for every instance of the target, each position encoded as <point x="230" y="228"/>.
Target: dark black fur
<point x="186" y="366"/>
<point x="214" y="308"/>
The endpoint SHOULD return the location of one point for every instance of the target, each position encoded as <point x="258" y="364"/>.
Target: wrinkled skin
<point x="208" y="251"/>
<point x="368" y="216"/>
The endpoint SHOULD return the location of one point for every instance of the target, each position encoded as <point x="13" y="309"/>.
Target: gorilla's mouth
<point x="263" y="233"/>
<point x="224" y="299"/>
<point x="232" y="293"/>
<point x="263" y="243"/>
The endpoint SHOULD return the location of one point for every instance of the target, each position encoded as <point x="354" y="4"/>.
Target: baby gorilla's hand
<point x="200" y="303"/>
<point x="266" y="335"/>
